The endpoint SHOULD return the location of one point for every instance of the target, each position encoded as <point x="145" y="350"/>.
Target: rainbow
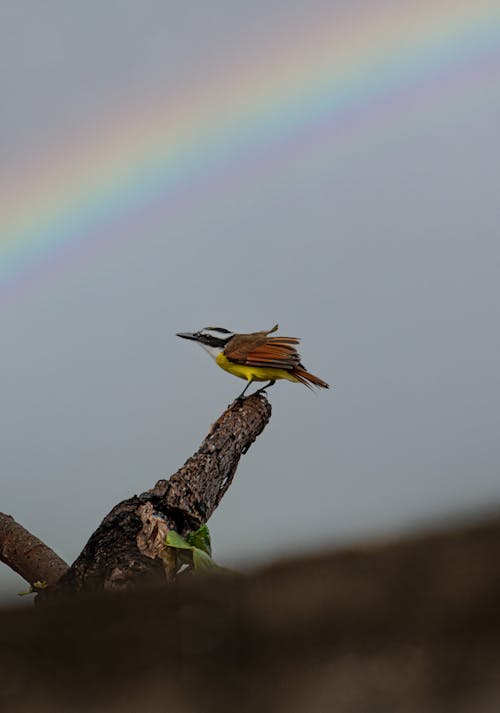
<point x="338" y="73"/>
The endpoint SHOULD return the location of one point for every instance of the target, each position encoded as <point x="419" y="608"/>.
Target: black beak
<point x="187" y="335"/>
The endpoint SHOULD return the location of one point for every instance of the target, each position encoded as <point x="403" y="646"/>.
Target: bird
<point x="255" y="356"/>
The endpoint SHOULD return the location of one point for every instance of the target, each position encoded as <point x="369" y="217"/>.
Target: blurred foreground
<point x="405" y="627"/>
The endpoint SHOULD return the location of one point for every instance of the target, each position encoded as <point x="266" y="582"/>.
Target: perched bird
<point x="256" y="356"/>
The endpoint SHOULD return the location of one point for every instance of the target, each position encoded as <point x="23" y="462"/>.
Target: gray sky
<point x="381" y="252"/>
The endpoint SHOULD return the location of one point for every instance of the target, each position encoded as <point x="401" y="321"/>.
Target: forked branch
<point x="128" y="548"/>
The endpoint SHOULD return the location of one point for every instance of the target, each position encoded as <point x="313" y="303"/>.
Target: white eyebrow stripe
<point x="220" y="330"/>
<point x="217" y="333"/>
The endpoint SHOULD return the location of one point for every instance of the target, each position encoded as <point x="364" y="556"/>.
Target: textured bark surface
<point x="407" y="627"/>
<point x="128" y="548"/>
<point x="27" y="555"/>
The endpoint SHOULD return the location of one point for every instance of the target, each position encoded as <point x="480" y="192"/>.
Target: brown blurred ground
<point x="407" y="627"/>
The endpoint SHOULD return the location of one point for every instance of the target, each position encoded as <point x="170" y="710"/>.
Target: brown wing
<point x="260" y="350"/>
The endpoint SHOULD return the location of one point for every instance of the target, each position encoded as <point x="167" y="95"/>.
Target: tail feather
<point x="308" y="379"/>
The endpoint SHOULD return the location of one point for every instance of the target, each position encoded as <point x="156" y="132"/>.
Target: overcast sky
<point x="381" y="252"/>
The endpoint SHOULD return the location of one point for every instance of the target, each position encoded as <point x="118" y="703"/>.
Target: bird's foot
<point x="264" y="388"/>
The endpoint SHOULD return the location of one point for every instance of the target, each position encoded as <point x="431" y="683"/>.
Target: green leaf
<point x="201" y="539"/>
<point x="196" y="549"/>
<point x="33" y="588"/>
<point x="201" y="560"/>
<point x="175" y="540"/>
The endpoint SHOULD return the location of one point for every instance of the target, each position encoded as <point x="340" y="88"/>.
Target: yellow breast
<point x="253" y="373"/>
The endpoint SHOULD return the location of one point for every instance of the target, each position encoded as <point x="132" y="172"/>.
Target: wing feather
<point x="277" y="352"/>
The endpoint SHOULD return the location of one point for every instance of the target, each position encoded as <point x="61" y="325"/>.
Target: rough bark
<point x="128" y="547"/>
<point x="27" y="555"/>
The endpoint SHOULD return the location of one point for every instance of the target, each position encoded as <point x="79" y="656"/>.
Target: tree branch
<point x="27" y="555"/>
<point x="128" y="548"/>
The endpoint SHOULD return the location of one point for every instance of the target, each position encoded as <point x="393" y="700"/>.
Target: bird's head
<point x="213" y="339"/>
